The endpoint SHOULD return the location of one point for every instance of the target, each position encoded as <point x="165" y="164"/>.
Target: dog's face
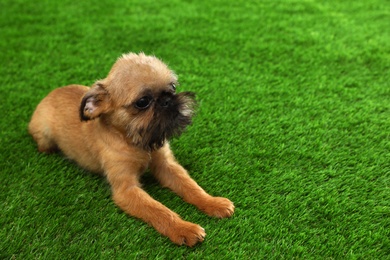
<point x="138" y="98"/>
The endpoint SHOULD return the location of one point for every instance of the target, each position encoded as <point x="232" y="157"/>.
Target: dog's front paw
<point x="187" y="233"/>
<point x="218" y="207"/>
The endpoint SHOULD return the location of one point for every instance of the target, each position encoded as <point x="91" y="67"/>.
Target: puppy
<point x="120" y="127"/>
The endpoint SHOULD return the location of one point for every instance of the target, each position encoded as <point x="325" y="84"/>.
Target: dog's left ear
<point x="95" y="102"/>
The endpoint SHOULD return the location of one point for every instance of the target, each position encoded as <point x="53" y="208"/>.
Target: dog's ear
<point x="95" y="102"/>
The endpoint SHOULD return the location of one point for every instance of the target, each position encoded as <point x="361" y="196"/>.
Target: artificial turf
<point x="292" y="125"/>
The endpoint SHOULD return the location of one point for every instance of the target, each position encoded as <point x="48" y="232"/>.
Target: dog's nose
<point x="165" y="101"/>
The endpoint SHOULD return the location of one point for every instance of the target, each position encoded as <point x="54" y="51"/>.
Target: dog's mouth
<point x="172" y="114"/>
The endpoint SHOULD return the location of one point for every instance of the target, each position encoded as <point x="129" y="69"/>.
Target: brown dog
<point x="120" y="127"/>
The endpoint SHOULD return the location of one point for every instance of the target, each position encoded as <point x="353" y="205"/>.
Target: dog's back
<point x="55" y="122"/>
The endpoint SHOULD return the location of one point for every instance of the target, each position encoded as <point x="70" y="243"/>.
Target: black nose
<point x="165" y="101"/>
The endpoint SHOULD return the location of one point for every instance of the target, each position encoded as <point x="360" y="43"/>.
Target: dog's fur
<point x="120" y="127"/>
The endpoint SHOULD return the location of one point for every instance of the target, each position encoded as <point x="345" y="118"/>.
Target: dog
<point x="120" y="127"/>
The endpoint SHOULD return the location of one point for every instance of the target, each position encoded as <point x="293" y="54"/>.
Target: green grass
<point x="293" y="126"/>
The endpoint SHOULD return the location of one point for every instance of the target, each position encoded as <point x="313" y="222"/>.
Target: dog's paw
<point x="218" y="207"/>
<point x="187" y="233"/>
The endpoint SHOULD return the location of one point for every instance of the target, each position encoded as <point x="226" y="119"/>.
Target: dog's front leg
<point x="172" y="175"/>
<point x="128" y="195"/>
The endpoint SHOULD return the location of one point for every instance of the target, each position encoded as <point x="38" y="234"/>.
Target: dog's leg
<point x="172" y="175"/>
<point x="128" y="195"/>
<point x="41" y="132"/>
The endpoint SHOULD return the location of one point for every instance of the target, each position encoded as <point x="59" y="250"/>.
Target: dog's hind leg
<point x="39" y="128"/>
<point x="45" y="144"/>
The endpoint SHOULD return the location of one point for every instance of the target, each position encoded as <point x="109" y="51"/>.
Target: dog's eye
<point x="173" y="85"/>
<point x="143" y="102"/>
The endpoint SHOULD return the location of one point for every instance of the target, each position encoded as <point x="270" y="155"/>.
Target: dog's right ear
<point x="95" y="102"/>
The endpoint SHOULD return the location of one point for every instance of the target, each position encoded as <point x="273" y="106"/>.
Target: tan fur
<point x="108" y="142"/>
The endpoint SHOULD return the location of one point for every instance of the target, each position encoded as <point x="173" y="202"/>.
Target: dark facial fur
<point x="171" y="115"/>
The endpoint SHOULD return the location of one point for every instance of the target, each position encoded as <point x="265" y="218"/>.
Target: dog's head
<point x="138" y="98"/>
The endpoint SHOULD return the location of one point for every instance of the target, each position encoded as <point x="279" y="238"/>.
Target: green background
<point x="293" y="126"/>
